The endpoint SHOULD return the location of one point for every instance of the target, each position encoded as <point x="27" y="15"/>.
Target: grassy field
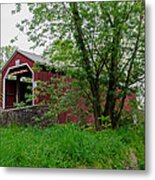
<point x="67" y="146"/>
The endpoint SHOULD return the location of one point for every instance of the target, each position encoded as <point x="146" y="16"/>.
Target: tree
<point x="109" y="40"/>
<point x="5" y="53"/>
<point x="0" y="64"/>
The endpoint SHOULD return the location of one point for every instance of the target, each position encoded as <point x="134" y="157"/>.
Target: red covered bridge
<point x="20" y="66"/>
<point x="14" y="88"/>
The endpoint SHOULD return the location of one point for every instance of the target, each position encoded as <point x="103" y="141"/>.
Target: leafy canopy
<point x="101" y="42"/>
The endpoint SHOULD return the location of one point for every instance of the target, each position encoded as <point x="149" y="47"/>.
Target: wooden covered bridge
<point x="14" y="87"/>
<point x="14" y="72"/>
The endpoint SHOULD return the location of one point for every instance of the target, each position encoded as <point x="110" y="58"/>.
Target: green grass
<point x="67" y="146"/>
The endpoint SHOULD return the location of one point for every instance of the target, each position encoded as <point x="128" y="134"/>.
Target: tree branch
<point x="130" y="69"/>
<point x="80" y="42"/>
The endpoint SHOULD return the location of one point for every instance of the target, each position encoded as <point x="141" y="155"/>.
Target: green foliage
<point x="62" y="54"/>
<point x="103" y="42"/>
<point x="5" y="53"/>
<point x="19" y="105"/>
<point x="63" y="94"/>
<point x="106" y="121"/>
<point x="1" y="63"/>
<point x="67" y="146"/>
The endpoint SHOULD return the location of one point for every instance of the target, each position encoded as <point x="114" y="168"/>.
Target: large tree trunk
<point x="110" y="98"/>
<point x="110" y="104"/>
<point x="97" y="108"/>
<point x="97" y="115"/>
<point x="111" y="92"/>
<point x="87" y="66"/>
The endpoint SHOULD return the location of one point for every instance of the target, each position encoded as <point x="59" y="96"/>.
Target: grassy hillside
<point x="67" y="146"/>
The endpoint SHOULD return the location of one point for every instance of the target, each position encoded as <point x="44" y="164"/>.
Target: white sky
<point x="9" y="30"/>
<point x="8" y="26"/>
<point x="9" y="21"/>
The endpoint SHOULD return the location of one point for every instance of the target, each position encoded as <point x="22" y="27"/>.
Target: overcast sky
<point x="9" y="30"/>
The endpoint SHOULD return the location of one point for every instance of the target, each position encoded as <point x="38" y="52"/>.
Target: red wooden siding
<point x="1" y="92"/>
<point x="45" y="77"/>
<point x="10" y="93"/>
<point x="12" y="62"/>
